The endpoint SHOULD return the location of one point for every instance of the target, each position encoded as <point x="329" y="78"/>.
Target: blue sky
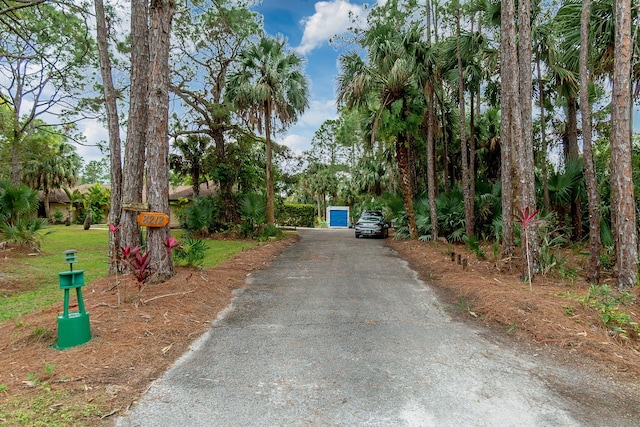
<point x="308" y="25"/>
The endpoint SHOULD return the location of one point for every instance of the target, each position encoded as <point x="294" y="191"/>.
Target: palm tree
<point x="190" y="160"/>
<point x="56" y="166"/>
<point x="17" y="222"/>
<point x="269" y="86"/>
<point x="388" y="86"/>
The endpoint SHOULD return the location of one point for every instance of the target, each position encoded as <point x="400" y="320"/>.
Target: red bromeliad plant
<point x="526" y="219"/>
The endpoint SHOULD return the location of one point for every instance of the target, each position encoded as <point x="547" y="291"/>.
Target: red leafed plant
<point x="138" y="261"/>
<point x="526" y="219"/>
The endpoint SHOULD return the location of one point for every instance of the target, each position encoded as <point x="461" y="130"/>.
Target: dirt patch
<point x="133" y="342"/>
<point x="137" y="340"/>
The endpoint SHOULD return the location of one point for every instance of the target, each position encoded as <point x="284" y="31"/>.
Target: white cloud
<point x="299" y="137"/>
<point x="297" y="143"/>
<point x="318" y="112"/>
<point x="331" y="18"/>
<point x="95" y="133"/>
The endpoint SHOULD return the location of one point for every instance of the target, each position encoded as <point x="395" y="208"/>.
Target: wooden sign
<point x="153" y="219"/>
<point x="133" y="206"/>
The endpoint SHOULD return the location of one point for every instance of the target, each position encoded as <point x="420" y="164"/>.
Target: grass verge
<point x="31" y="283"/>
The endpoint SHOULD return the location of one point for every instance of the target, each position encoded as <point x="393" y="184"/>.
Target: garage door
<point x="338" y="218"/>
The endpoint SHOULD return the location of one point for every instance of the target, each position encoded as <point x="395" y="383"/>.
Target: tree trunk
<point x="431" y="162"/>
<point x="573" y="154"/>
<point x="161" y="13"/>
<point x="572" y="149"/>
<point x="15" y="157"/>
<point x="524" y="141"/>
<point x="445" y="152"/>
<point x="111" y="106"/>
<point x="508" y="111"/>
<point x="134" y="152"/>
<point x="45" y="202"/>
<point x="623" y="215"/>
<point x="468" y="203"/>
<point x="402" y="157"/>
<point x="543" y="138"/>
<point x="271" y="217"/>
<point x="472" y="159"/>
<point x="229" y="211"/>
<point x="593" y="198"/>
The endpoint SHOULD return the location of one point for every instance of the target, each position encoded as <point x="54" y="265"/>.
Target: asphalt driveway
<point x="340" y="332"/>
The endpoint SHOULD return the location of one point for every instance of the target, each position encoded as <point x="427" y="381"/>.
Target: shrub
<point x="253" y="213"/>
<point x="191" y="252"/>
<point x="18" y="224"/>
<point x="297" y="215"/>
<point x="57" y="217"/>
<point x="200" y="216"/>
<point x="270" y="231"/>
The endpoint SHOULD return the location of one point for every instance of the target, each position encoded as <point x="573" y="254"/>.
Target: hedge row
<point x="297" y="215"/>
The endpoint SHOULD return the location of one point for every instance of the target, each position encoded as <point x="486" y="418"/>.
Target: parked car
<point x="372" y="213"/>
<point x="370" y="225"/>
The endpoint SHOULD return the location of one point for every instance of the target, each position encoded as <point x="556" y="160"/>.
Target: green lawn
<point x="38" y="275"/>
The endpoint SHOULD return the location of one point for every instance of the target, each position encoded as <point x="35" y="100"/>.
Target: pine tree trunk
<point x="161" y="13"/>
<point x="593" y="197"/>
<point x="524" y="142"/>
<point x="133" y="172"/>
<point x="16" y="171"/>
<point x="509" y="110"/>
<point x="111" y="106"/>
<point x="622" y="198"/>
<point x="543" y="138"/>
<point x="573" y="154"/>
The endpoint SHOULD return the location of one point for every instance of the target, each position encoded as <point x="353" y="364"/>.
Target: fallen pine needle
<point x="167" y="295"/>
<point x="167" y="348"/>
<point x="109" y="414"/>
<point x="66" y="380"/>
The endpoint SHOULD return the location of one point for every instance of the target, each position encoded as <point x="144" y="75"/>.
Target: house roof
<point x="186" y="191"/>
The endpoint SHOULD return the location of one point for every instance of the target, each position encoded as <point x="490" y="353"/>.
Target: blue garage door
<point x="338" y="218"/>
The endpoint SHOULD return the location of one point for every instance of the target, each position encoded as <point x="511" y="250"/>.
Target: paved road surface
<point x="340" y="332"/>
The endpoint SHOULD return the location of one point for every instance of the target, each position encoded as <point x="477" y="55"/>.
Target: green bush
<point x="607" y="302"/>
<point x="297" y="215"/>
<point x="269" y="232"/>
<point x="199" y="218"/>
<point x="57" y="217"/>
<point x="18" y="224"/>
<point x="191" y="252"/>
<point x="253" y="210"/>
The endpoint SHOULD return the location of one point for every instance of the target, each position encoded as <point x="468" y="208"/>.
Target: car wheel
<point x="357" y="235"/>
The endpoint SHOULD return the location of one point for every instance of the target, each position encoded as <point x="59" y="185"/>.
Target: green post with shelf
<point x="73" y="327"/>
